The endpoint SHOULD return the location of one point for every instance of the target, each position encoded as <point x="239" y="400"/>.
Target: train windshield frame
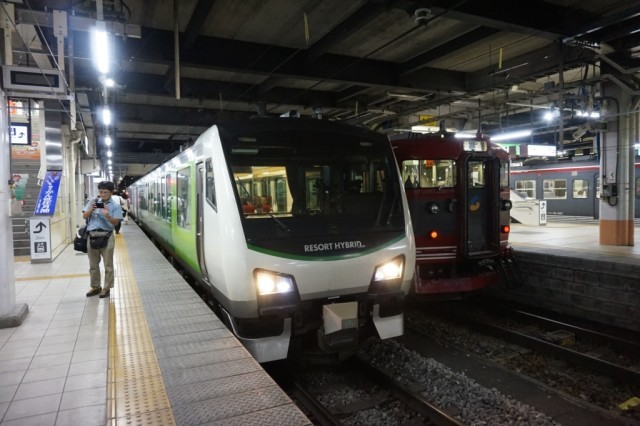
<point x="294" y="183"/>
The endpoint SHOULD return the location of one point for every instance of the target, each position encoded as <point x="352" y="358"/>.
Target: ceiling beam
<point x="222" y="54"/>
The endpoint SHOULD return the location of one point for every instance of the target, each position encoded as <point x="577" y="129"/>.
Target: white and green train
<point x="299" y="229"/>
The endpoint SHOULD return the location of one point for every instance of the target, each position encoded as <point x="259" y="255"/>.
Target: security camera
<point x="422" y="15"/>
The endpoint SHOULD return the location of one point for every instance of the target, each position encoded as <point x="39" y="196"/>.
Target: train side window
<point x="527" y="187"/>
<point x="183" y="204"/>
<point x="554" y="189"/>
<point x="168" y="199"/>
<point x="580" y="188"/>
<point x="210" y="188"/>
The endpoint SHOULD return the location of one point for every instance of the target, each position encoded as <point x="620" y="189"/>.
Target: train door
<point x="201" y="175"/>
<point x="480" y="237"/>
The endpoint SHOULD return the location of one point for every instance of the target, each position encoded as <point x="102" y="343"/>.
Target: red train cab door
<point x="480" y="236"/>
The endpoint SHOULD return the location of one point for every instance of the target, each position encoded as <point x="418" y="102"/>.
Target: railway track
<point x="357" y="393"/>
<point x="571" y="343"/>
<point x="598" y="368"/>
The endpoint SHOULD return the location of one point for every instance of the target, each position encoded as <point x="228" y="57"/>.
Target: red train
<point x="458" y="194"/>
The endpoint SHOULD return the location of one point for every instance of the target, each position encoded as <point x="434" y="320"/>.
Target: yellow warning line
<point x="135" y="389"/>
<point x="52" y="277"/>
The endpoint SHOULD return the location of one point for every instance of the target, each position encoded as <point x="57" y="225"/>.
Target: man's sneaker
<point x="94" y="291"/>
<point x="104" y="293"/>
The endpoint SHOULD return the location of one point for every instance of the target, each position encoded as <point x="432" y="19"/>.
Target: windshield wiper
<point x="282" y="226"/>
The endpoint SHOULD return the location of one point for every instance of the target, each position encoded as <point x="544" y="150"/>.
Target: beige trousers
<point x="95" y="256"/>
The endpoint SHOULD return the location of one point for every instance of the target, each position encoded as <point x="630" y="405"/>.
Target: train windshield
<point x="307" y="183"/>
<point x="429" y="173"/>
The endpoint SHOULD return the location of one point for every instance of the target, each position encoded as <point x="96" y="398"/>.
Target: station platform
<point x="571" y="236"/>
<point x="152" y="353"/>
<point x="564" y="268"/>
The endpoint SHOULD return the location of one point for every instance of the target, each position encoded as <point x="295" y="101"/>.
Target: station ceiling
<point x="383" y="64"/>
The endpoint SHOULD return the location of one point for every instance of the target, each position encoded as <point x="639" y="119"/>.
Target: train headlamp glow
<point x="389" y="271"/>
<point x="433" y="208"/>
<point x="272" y="283"/>
<point x="506" y="205"/>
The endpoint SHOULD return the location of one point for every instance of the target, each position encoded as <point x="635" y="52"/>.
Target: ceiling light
<point x="406" y="96"/>
<point x="106" y="116"/>
<point x="462" y="135"/>
<point x="107" y="140"/>
<point x="109" y="154"/>
<point x="110" y="161"/>
<point x="592" y="114"/>
<point x="100" y="46"/>
<point x="511" y="135"/>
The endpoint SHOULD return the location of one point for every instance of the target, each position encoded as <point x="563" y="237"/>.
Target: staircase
<point x="20" y="222"/>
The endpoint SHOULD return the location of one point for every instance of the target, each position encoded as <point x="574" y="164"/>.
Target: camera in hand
<point x="99" y="204"/>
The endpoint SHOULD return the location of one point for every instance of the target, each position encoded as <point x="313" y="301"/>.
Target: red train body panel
<point x="458" y="194"/>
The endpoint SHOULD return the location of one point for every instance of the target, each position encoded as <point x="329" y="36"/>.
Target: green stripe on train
<point x="312" y="258"/>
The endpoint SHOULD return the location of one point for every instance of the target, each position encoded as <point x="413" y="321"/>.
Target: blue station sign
<point x="46" y="204"/>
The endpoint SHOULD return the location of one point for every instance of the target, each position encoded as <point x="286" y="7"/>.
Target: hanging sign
<point x="46" y="204"/>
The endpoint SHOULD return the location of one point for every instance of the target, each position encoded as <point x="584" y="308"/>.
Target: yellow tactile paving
<point x="52" y="277"/>
<point x="136" y="391"/>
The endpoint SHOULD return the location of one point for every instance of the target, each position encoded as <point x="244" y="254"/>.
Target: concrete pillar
<point x="11" y="314"/>
<point x="617" y="167"/>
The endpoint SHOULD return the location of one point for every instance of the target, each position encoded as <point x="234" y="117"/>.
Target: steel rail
<point x="619" y="372"/>
<point x="412" y="399"/>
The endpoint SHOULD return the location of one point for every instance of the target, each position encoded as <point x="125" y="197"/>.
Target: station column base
<point x="15" y="317"/>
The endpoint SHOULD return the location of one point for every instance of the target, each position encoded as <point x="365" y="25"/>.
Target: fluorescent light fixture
<point x="541" y="150"/>
<point x="107" y="140"/>
<point x="109" y="154"/>
<point x="106" y="116"/>
<point x="511" y="135"/>
<point x="421" y="128"/>
<point x="463" y="135"/>
<point x="406" y="96"/>
<point x="592" y="114"/>
<point x="110" y="161"/>
<point x="100" y="48"/>
<point x="109" y="82"/>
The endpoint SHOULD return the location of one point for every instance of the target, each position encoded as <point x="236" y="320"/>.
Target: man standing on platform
<point x="102" y="215"/>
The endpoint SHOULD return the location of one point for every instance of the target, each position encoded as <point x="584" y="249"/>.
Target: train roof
<point x="266" y="124"/>
<point x="443" y="145"/>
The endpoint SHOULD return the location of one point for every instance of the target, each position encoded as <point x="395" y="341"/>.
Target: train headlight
<point x="387" y="277"/>
<point x="277" y="293"/>
<point x="433" y="208"/>
<point x="506" y="204"/>
<point x="389" y="271"/>
<point x="273" y="283"/>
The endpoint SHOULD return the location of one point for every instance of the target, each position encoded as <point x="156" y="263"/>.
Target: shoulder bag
<point x="81" y="239"/>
